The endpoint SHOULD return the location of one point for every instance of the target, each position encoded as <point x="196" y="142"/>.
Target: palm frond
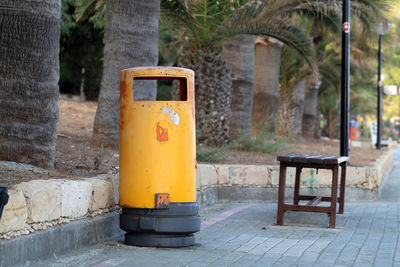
<point x="292" y="71"/>
<point x="176" y="15"/>
<point x="290" y="35"/>
<point x="92" y="10"/>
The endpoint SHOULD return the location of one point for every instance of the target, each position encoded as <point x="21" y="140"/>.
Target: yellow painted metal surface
<point x="157" y="141"/>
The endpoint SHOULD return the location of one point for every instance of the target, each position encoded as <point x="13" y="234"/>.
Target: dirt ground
<point x="76" y="158"/>
<point x="358" y="156"/>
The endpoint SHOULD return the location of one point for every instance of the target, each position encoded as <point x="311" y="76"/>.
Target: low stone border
<point x="40" y="204"/>
<point x="221" y="182"/>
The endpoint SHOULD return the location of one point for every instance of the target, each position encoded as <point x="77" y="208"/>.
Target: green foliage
<point x="67" y="17"/>
<point x="81" y="56"/>
<point x="265" y="142"/>
<point x="363" y="61"/>
<point x="92" y="11"/>
<point x="164" y="90"/>
<point x="210" y="154"/>
<point x="364" y="130"/>
<point x="208" y="23"/>
<point x="101" y="149"/>
<point x="169" y="47"/>
<point x="292" y="71"/>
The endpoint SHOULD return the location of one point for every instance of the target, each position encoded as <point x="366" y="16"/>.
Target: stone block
<point x="113" y="178"/>
<point x="274" y="176"/>
<point x="256" y="175"/>
<point x="222" y="174"/>
<point x="356" y="176"/>
<point x="237" y="173"/>
<point x="75" y="198"/>
<point x="43" y="199"/>
<point x="382" y="164"/>
<point x="206" y="175"/>
<point x="15" y="213"/>
<point x="323" y="176"/>
<point x="102" y="194"/>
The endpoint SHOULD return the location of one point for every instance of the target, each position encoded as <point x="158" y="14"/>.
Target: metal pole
<point x="345" y="84"/>
<point x="379" y="113"/>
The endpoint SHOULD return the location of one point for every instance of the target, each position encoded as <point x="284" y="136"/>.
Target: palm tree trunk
<point x="239" y="54"/>
<point x="291" y="110"/>
<point x="310" y="107"/>
<point x="266" y="83"/>
<point x="317" y="130"/>
<point x="213" y="88"/>
<point x="297" y="106"/>
<point x="131" y="38"/>
<point x="29" y="74"/>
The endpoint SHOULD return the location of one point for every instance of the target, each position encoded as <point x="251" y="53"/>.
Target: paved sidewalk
<point x="367" y="234"/>
<point x="390" y="190"/>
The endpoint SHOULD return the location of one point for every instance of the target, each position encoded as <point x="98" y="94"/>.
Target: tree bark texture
<point x="239" y="54"/>
<point x="131" y="39"/>
<point x="29" y="74"/>
<point x="291" y="110"/>
<point x="266" y="84"/>
<point x="213" y="88"/>
<point x="310" y="108"/>
<point x="317" y="130"/>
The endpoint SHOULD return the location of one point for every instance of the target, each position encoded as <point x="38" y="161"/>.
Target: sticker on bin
<point x="162" y="200"/>
<point x="172" y="115"/>
<point x="161" y="132"/>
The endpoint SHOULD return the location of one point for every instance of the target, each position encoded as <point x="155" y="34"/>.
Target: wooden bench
<point x="300" y="161"/>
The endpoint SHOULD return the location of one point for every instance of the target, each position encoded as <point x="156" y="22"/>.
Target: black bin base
<point x="170" y="227"/>
<point x="159" y="240"/>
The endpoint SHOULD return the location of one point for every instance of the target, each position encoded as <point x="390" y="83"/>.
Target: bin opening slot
<point x="143" y="88"/>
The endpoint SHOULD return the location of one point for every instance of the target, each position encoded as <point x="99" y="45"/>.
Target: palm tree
<point x="266" y="85"/>
<point x="205" y="25"/>
<point x="131" y="38"/>
<point x="268" y="57"/>
<point x="292" y="84"/>
<point x="29" y="43"/>
<point x="364" y="14"/>
<point x="239" y="53"/>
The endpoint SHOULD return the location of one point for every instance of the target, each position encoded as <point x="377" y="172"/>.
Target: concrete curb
<point x="23" y="250"/>
<point x="223" y="182"/>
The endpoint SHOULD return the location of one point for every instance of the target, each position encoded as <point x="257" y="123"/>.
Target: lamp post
<point x="381" y="28"/>
<point x="345" y="82"/>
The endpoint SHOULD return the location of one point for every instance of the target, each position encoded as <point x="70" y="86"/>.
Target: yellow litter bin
<point x="158" y="162"/>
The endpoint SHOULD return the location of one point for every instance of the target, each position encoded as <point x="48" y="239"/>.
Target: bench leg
<point x="297" y="186"/>
<point x="342" y="187"/>
<point x="332" y="221"/>
<point x="281" y="193"/>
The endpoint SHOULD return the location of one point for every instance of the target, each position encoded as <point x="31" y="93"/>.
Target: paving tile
<point x="367" y="235"/>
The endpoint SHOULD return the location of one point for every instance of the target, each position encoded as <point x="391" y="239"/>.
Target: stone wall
<point x="39" y="204"/>
<point x="260" y="182"/>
